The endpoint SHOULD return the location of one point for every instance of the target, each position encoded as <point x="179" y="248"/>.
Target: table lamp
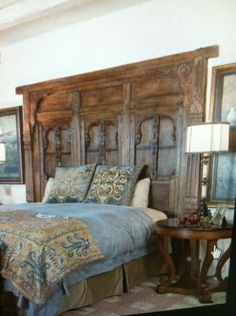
<point x="2" y="152"/>
<point x="204" y="139"/>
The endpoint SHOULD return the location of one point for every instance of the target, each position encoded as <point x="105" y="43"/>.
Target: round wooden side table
<point x="194" y="280"/>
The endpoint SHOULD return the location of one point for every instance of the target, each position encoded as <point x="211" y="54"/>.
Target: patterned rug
<point x="142" y="299"/>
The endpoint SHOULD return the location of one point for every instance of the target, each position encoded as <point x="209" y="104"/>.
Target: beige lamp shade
<point x="207" y="137"/>
<point x="2" y="152"/>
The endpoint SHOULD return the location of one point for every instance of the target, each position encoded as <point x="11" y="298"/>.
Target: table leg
<point x="195" y="261"/>
<point x="205" y="296"/>
<point x="168" y="259"/>
<point x="220" y="265"/>
<point x="207" y="261"/>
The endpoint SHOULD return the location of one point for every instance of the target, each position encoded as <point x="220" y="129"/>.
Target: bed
<point x="134" y="117"/>
<point x="113" y="252"/>
<point x="58" y="246"/>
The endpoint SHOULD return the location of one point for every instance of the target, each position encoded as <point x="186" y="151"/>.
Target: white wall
<point x="147" y="30"/>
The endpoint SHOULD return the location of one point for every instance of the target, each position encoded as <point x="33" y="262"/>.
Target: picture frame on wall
<point x="11" y="170"/>
<point x="223" y="108"/>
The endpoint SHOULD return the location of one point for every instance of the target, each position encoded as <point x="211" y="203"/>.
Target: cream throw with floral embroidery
<point x="40" y="251"/>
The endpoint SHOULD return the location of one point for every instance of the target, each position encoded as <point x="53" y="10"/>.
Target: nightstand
<point x="194" y="281"/>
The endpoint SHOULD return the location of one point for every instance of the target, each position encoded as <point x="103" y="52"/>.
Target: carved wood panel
<point x="101" y="142"/>
<point x="132" y="114"/>
<point x="156" y="148"/>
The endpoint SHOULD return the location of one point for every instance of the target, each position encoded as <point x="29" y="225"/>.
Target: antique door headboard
<point x="132" y="114"/>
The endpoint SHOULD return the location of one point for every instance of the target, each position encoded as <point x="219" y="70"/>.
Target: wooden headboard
<point x="132" y="114"/>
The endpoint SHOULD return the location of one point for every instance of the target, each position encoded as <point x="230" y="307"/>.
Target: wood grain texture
<point x="131" y="114"/>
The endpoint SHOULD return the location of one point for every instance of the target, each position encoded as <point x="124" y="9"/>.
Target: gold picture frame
<point x="11" y="170"/>
<point x="222" y="186"/>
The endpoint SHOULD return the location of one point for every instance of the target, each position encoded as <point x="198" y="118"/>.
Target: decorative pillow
<point x="141" y="193"/>
<point x="48" y="189"/>
<point x="71" y="184"/>
<point x="155" y="214"/>
<point x="113" y="184"/>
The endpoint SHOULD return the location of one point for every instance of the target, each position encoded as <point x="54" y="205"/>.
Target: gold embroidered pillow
<point x="113" y="184"/>
<point x="71" y="184"/>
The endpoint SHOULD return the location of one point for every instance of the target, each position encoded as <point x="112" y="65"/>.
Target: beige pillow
<point x="48" y="189"/>
<point x="155" y="214"/>
<point x="141" y="193"/>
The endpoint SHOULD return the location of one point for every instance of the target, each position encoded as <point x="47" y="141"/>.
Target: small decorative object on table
<point x="205" y="221"/>
<point x="195" y="220"/>
<point x="201" y="218"/>
<point x="219" y="215"/>
<point x="186" y="220"/>
<point x="203" y="208"/>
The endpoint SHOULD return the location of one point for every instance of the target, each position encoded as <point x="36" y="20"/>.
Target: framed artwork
<point x="11" y="170"/>
<point x="223" y="107"/>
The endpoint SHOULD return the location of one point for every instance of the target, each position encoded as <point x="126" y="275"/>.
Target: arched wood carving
<point x="101" y="142"/>
<point x="132" y="114"/>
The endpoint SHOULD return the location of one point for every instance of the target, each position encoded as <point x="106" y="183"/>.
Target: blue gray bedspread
<point x="123" y="233"/>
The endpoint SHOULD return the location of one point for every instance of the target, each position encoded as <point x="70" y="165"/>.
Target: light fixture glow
<point x="2" y="152"/>
<point x="207" y="138"/>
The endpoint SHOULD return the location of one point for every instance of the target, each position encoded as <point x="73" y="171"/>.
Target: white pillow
<point x="48" y="189"/>
<point x="141" y="193"/>
<point x="155" y="214"/>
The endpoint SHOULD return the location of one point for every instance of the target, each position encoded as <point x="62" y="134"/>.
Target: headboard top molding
<point x="131" y="114"/>
<point x="124" y="70"/>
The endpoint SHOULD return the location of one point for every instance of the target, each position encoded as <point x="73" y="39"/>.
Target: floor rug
<point x="142" y="299"/>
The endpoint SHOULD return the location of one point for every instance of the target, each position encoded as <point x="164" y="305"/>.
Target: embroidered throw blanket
<point x="40" y="251"/>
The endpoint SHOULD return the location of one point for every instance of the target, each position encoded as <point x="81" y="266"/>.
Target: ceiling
<point x="6" y="3"/>
<point x="16" y="12"/>
<point x="21" y="19"/>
